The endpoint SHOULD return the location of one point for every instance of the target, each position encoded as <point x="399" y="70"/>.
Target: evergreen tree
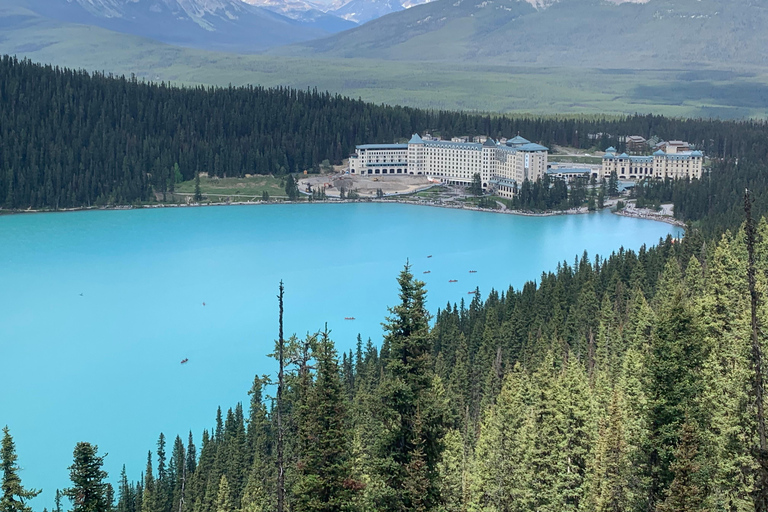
<point x="89" y="491"/>
<point x="410" y="443"/>
<point x="14" y="495"/>
<point x="476" y="187"/>
<point x="149" y="501"/>
<point x="611" y="466"/>
<point x="291" y="187"/>
<point x="687" y="492"/>
<point x="613" y="184"/>
<point x="224" y="498"/>
<point x="325" y="482"/>
<point x="125" y="494"/>
<point x="198" y="194"/>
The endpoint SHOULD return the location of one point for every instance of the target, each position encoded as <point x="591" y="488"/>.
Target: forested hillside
<point x="619" y="384"/>
<point x="70" y="139"/>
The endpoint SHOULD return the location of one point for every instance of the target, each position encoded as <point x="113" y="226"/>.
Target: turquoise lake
<point x="104" y="366"/>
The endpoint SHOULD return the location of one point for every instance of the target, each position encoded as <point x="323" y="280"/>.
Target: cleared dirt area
<point x="365" y="186"/>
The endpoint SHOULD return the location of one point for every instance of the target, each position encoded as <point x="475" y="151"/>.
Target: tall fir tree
<point x="89" y="491"/>
<point x="411" y="439"/>
<point x="14" y="496"/>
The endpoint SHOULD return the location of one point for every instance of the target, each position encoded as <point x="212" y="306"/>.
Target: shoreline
<point x="573" y="211"/>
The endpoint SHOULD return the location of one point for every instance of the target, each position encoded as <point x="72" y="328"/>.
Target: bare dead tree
<point x="280" y="355"/>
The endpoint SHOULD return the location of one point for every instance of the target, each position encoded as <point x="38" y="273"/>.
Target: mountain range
<point x="646" y="34"/>
<point x="606" y="34"/>
<point x="354" y="11"/>
<point x="222" y="25"/>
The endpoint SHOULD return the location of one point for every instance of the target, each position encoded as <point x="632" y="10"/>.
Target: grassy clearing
<point x="431" y="193"/>
<point x="252" y="187"/>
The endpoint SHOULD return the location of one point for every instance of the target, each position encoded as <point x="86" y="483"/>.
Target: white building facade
<point x="675" y="161"/>
<point x="502" y="167"/>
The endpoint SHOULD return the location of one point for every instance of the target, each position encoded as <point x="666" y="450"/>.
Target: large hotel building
<point x="501" y="165"/>
<point x="504" y="165"/>
<point x="673" y="159"/>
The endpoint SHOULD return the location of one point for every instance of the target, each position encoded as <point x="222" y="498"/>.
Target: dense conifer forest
<point x="71" y="139"/>
<point x="630" y="383"/>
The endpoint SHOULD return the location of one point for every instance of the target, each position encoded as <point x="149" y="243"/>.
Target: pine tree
<point x="501" y="475"/>
<point x="198" y="194"/>
<point x="611" y="469"/>
<point x="89" y="490"/>
<point x="676" y="358"/>
<point x="14" y="495"/>
<point x="224" y="498"/>
<point x="125" y="497"/>
<point x="325" y="482"/>
<point x="149" y="501"/>
<point x="407" y="397"/>
<point x="453" y="471"/>
<point x="162" y="488"/>
<point x="687" y="491"/>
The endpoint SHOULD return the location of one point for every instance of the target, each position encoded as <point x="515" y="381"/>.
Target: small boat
<point x="185" y="360"/>
<point x="427" y="271"/>
<point x="349" y="318"/>
<point x="429" y="256"/>
<point x="203" y="303"/>
<point x="453" y="280"/>
<point x="473" y="271"/>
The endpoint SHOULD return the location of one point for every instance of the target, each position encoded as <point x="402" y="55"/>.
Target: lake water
<point x="97" y="309"/>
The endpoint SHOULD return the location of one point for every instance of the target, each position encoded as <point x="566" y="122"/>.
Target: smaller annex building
<point x="502" y="166"/>
<point x="672" y="160"/>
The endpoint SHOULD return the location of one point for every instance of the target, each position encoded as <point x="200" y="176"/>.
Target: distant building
<point x="502" y="167"/>
<point x="568" y="174"/>
<point x="675" y="161"/>
<point x="571" y="171"/>
<point x="636" y="144"/>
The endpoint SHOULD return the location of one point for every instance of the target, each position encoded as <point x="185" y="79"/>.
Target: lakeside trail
<point x="629" y="211"/>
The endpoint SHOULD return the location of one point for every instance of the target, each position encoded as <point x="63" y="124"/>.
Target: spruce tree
<point x="224" y="498"/>
<point x="410" y="444"/>
<point x="687" y="492"/>
<point x="325" y="481"/>
<point x="14" y="495"/>
<point x="198" y="194"/>
<point x="89" y="491"/>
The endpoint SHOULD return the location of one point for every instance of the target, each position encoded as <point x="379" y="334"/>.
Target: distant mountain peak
<point x="228" y="25"/>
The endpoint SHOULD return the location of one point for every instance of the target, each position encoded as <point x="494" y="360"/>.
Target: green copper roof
<point x="518" y="140"/>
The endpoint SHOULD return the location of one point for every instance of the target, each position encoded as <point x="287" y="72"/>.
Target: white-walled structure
<point x="675" y="161"/>
<point x="502" y="167"/>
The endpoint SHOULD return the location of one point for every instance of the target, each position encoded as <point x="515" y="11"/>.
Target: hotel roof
<point x="449" y="144"/>
<point x="531" y="146"/>
<point x="625" y="156"/>
<point x="517" y="141"/>
<point x="382" y="146"/>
